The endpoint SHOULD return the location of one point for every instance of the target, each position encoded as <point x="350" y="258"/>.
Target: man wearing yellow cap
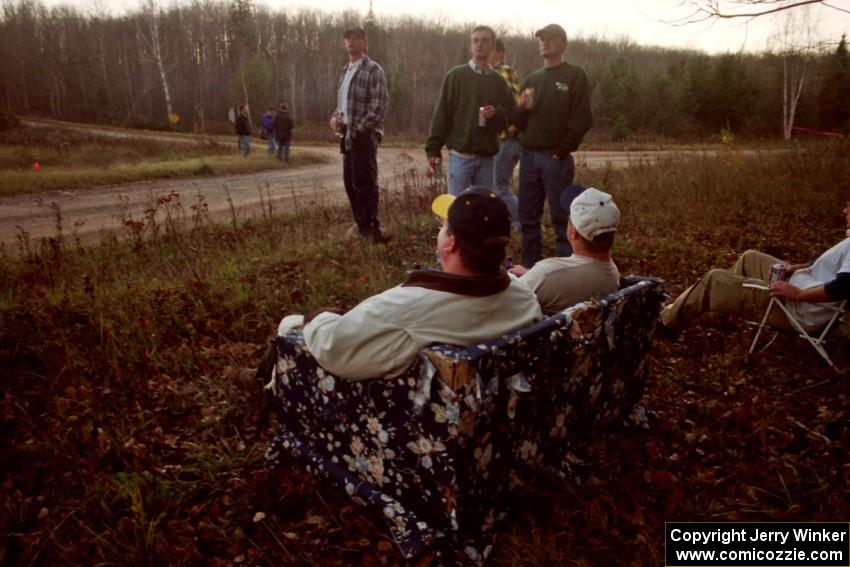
<point x="472" y="299"/>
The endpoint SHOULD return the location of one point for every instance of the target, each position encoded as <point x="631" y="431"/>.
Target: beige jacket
<point x="381" y="336"/>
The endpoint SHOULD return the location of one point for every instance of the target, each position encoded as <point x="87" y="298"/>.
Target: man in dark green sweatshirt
<point x="553" y="115"/>
<point x="475" y="104"/>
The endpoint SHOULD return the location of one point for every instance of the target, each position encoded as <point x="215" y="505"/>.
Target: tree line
<point x="184" y="66"/>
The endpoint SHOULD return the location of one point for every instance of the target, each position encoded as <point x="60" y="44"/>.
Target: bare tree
<point x="792" y="88"/>
<point x="154" y="46"/>
<point x="795" y="49"/>
<point x="703" y="10"/>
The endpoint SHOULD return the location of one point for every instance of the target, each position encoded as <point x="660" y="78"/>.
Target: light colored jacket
<point x="381" y="336"/>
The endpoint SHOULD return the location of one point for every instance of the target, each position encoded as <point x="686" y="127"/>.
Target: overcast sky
<point x="641" y="21"/>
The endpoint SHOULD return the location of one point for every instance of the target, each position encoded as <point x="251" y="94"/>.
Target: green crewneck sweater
<point x="561" y="115"/>
<point x="455" y="120"/>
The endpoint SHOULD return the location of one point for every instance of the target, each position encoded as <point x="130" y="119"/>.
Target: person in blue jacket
<point x="267" y="124"/>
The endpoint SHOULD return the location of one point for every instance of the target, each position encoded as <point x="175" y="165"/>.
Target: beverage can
<point x="340" y="123"/>
<point x="529" y="93"/>
<point x="777" y="273"/>
<point x="482" y="122"/>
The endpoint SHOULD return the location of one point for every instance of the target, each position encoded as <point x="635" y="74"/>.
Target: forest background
<point x="182" y="68"/>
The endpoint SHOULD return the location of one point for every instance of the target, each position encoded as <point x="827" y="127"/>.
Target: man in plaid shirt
<point x="359" y="121"/>
<point x="509" y="149"/>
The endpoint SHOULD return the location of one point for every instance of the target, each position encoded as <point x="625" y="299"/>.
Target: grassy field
<point x="134" y="435"/>
<point x="35" y="159"/>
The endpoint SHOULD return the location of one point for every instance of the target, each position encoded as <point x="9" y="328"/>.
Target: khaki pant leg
<point x="755" y="264"/>
<point x="721" y="291"/>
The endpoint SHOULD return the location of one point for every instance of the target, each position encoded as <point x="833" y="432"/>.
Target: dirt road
<point x="90" y="212"/>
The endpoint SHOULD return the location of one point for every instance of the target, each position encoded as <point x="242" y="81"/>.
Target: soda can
<point x="482" y="122"/>
<point x="529" y="92"/>
<point x="777" y="273"/>
<point x="340" y="123"/>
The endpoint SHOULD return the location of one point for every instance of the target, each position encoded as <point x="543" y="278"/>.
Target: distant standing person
<point x="267" y="121"/>
<point x="282" y="132"/>
<point x="243" y="130"/>
<point x="509" y="149"/>
<point x="553" y="114"/>
<point x="359" y="121"/>
<point x="475" y="104"/>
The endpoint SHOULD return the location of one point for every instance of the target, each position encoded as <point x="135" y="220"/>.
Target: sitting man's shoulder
<point x="562" y="282"/>
<point x="559" y="266"/>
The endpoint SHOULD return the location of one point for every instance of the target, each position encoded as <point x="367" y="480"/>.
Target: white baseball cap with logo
<point x="594" y="212"/>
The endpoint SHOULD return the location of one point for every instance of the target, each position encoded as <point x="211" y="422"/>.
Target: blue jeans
<point x="503" y="173"/>
<point x="271" y="142"/>
<point x="542" y="178"/>
<point x="464" y="172"/>
<point x="283" y="151"/>
<point x="244" y="145"/>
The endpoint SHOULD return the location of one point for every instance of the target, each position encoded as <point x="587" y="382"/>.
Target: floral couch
<point x="439" y="450"/>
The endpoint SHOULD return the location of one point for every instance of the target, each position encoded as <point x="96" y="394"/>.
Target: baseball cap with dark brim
<point x="552" y="30"/>
<point x="477" y="217"/>
<point x="358" y="32"/>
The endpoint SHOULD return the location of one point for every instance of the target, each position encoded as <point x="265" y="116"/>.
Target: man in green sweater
<point x="553" y="115"/>
<point x="475" y="104"/>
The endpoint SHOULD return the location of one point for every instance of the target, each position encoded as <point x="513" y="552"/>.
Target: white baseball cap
<point x="593" y="213"/>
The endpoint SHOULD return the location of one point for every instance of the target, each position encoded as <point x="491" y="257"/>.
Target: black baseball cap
<point x="477" y="217"/>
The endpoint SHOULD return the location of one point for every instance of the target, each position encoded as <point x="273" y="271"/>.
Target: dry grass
<point x="133" y="432"/>
<point x="52" y="157"/>
<point x="737" y="437"/>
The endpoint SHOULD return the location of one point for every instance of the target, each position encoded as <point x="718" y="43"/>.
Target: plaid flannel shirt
<point x="509" y="75"/>
<point x="367" y="100"/>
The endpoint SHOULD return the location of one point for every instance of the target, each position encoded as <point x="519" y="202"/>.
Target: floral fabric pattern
<point x="438" y="450"/>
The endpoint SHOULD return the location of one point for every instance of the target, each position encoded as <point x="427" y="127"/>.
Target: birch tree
<point x="154" y="46"/>
<point x="795" y="49"/>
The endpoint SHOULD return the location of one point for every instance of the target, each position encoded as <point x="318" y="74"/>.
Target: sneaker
<point x="382" y="236"/>
<point x="352" y="232"/>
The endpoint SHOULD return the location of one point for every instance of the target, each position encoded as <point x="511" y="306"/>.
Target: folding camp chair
<point x="816" y="342"/>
